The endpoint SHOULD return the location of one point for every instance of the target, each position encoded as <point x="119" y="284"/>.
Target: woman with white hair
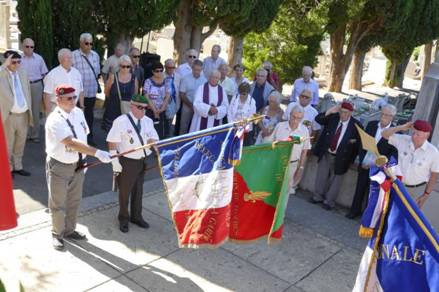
<point x="273" y="115"/>
<point x="119" y="89"/>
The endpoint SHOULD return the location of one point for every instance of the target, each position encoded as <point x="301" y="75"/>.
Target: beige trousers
<point x="36" y="91"/>
<point x="65" y="192"/>
<point x="15" y="127"/>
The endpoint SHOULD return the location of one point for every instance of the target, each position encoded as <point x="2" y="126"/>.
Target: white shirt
<point x="228" y="85"/>
<point x="378" y="135"/>
<point x="57" y="129"/>
<point x="124" y="135"/>
<point x="209" y="65"/>
<point x="283" y="131"/>
<point x="59" y="75"/>
<point x="416" y="165"/>
<point x="343" y="131"/>
<point x="183" y="70"/>
<point x="238" y="110"/>
<point x="15" y="108"/>
<point x="310" y="115"/>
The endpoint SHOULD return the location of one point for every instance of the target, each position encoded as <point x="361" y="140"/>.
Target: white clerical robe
<point x="201" y="109"/>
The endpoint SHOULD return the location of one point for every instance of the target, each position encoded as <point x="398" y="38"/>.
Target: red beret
<point x="347" y="105"/>
<point x="422" y="126"/>
<point x="64" y="90"/>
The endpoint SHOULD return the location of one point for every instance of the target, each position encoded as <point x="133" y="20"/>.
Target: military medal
<point x="131" y="140"/>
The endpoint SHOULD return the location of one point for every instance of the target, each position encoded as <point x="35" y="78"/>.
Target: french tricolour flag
<point x="197" y="171"/>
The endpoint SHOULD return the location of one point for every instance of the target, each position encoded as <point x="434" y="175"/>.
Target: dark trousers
<point x="177" y="121"/>
<point x="130" y="182"/>
<point x="361" y="191"/>
<point x="161" y="125"/>
<point x="89" y="105"/>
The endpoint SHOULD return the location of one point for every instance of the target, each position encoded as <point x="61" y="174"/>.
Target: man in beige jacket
<point x="15" y="109"/>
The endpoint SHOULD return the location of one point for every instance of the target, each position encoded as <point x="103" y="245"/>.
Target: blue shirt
<point x="300" y="85"/>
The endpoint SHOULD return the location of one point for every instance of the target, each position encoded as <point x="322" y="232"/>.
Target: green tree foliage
<point x="292" y="41"/>
<point x="36" y="23"/>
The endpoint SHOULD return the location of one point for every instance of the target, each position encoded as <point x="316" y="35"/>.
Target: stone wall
<point x="4" y="27"/>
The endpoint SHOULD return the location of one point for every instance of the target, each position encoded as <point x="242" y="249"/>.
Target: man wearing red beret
<point x="336" y="149"/>
<point x="418" y="160"/>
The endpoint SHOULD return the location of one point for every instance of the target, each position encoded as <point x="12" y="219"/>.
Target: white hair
<point x="307" y="69"/>
<point x="63" y="52"/>
<point x="390" y="107"/>
<point x="214" y="72"/>
<point x="85" y="36"/>
<point x="124" y="58"/>
<point x="276" y="94"/>
<point x="169" y="61"/>
<point x="262" y="71"/>
<point x="297" y="109"/>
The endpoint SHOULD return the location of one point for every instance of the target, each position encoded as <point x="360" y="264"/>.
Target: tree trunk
<point x="337" y="71"/>
<point x="427" y="58"/>
<point x="183" y="30"/>
<point x="357" y="69"/>
<point x="235" y="50"/>
<point x="395" y="70"/>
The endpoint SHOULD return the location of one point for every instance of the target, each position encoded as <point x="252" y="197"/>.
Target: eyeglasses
<point x="304" y="96"/>
<point x="191" y="56"/>
<point x="141" y="108"/>
<point x="15" y="62"/>
<point x="88" y="44"/>
<point x="158" y="70"/>
<point x="125" y="66"/>
<point x="29" y="47"/>
<point x="136" y="56"/>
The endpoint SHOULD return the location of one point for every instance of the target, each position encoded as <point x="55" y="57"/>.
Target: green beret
<point x="139" y="99"/>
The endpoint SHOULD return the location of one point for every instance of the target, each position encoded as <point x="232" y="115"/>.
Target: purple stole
<point x="203" y="123"/>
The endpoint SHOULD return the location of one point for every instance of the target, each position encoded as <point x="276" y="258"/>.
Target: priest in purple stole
<point x="210" y="104"/>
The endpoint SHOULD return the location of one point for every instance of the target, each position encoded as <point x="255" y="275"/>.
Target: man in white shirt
<point x="186" y="68"/>
<point x="111" y="65"/>
<point x="62" y="74"/>
<point x="294" y="127"/>
<point x="227" y="83"/>
<point x="15" y="108"/>
<point x="210" y="104"/>
<point x="310" y="112"/>
<point x="214" y="61"/>
<point x="130" y="131"/>
<point x="66" y="147"/>
<point x="306" y="82"/>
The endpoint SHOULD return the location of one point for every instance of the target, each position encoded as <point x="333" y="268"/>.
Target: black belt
<point x="35" y="81"/>
<point x="415" y="186"/>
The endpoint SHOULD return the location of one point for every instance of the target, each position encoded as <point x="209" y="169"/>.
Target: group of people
<point x="193" y="96"/>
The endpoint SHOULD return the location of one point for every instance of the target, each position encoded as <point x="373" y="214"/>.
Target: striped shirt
<point x="88" y="78"/>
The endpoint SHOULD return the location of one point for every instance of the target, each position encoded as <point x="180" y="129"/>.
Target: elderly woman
<point x="273" y="115"/>
<point x="241" y="107"/>
<point x="239" y="78"/>
<point x="158" y="94"/>
<point x="119" y="89"/>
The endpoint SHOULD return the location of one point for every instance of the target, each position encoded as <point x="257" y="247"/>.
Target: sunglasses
<point x="193" y="57"/>
<point x="141" y="107"/>
<point x="29" y="47"/>
<point x="88" y="44"/>
<point x="15" y="62"/>
<point x="158" y="71"/>
<point x="125" y="66"/>
<point x="136" y="56"/>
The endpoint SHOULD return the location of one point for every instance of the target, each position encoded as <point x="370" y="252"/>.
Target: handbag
<point x="124" y="105"/>
<point x="94" y="73"/>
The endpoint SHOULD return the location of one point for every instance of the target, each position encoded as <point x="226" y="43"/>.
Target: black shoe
<point x="327" y="207"/>
<point x="124" y="227"/>
<point x="22" y="172"/>
<point x="76" y="236"/>
<point x="57" y="243"/>
<point x="314" y="201"/>
<point x="351" y="215"/>
<point x="140" y="222"/>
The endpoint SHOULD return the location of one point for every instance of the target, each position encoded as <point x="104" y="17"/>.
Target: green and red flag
<point x="260" y="192"/>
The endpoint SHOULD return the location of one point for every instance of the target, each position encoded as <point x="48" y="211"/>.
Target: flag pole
<point x="254" y="119"/>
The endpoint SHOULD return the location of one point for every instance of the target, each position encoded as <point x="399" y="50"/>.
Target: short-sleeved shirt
<point x="111" y="65"/>
<point x="229" y="86"/>
<point x="416" y="165"/>
<point x="190" y="84"/>
<point x="183" y="70"/>
<point x="88" y="77"/>
<point x="209" y="65"/>
<point x="124" y="135"/>
<point x="300" y="85"/>
<point x="283" y="131"/>
<point x="57" y="129"/>
<point x="59" y="75"/>
<point x="34" y="66"/>
<point x="156" y="92"/>
<point x="310" y="115"/>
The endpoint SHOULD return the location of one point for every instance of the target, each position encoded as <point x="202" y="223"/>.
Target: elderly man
<point x="310" y="112"/>
<point x="294" y="127"/>
<point x="419" y="163"/>
<point x="210" y="104"/>
<point x="35" y="67"/>
<point x="136" y="69"/>
<point x="186" y="68"/>
<point x="306" y="82"/>
<point x="188" y="86"/>
<point x="336" y="149"/>
<point x="111" y="65"/>
<point x="214" y="61"/>
<point x="62" y="74"/>
<point x="66" y="133"/>
<point x="16" y="105"/>
<point x="367" y="159"/>
<point x="130" y="131"/>
<point x="227" y="83"/>
<point x="87" y="62"/>
<point x="173" y="81"/>
<point x="260" y="89"/>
